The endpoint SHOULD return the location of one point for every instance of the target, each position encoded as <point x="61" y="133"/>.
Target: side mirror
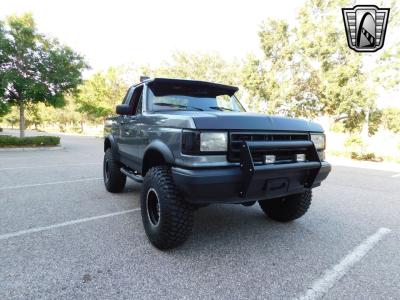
<point x="123" y="109"/>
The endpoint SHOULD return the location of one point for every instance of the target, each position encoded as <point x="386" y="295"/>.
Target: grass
<point x="31" y="141"/>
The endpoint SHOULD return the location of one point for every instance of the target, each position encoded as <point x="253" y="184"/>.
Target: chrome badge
<point x="365" y="27"/>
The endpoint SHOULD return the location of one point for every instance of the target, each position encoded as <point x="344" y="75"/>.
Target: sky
<point x="122" y="32"/>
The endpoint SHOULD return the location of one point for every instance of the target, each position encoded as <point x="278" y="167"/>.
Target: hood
<point x="247" y="121"/>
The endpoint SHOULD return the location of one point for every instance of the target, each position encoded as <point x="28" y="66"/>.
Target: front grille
<point x="236" y="139"/>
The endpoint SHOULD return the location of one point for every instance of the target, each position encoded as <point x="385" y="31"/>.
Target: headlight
<point x="213" y="141"/>
<point x="318" y="140"/>
<point x="196" y="142"/>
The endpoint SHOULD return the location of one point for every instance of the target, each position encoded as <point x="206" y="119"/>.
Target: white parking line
<point x="331" y="276"/>
<point x="396" y="175"/>
<point x="73" y="222"/>
<point x="47" y="183"/>
<point x="50" y="166"/>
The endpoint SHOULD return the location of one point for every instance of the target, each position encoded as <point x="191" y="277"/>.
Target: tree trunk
<point x="21" y="119"/>
<point x="365" y="133"/>
<point x="365" y="127"/>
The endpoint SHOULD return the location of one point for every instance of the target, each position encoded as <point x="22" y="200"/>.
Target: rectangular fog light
<point x="300" y="157"/>
<point x="269" y="159"/>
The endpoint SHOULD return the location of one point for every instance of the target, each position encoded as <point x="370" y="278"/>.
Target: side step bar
<point x="132" y="175"/>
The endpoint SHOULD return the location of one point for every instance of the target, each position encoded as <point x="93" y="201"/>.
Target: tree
<point x="308" y="70"/>
<point x="4" y="105"/>
<point x="267" y="79"/>
<point x="200" y="66"/>
<point x="99" y="95"/>
<point x="209" y="67"/>
<point x="34" y="115"/>
<point x="387" y="63"/>
<point x="34" y="68"/>
<point x="4" y="108"/>
<point x="391" y="119"/>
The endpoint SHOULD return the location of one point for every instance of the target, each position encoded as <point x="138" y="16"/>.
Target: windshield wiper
<point x="177" y="105"/>
<point x="220" y="108"/>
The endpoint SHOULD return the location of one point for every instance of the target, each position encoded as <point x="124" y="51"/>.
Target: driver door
<point x="130" y="132"/>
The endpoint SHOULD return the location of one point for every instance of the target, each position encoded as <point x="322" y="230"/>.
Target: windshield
<point x="223" y="103"/>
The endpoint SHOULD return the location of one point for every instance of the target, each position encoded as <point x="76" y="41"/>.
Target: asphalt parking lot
<point x="63" y="236"/>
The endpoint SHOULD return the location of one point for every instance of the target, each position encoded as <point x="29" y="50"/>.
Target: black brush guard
<point x="254" y="180"/>
<point x="252" y="172"/>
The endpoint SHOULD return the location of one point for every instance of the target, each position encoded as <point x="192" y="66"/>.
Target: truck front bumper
<point x="250" y="182"/>
<point x="204" y="186"/>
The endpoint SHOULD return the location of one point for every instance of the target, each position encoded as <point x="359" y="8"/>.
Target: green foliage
<point x="388" y="67"/>
<point x="353" y="140"/>
<point x="209" y="67"/>
<point x="387" y="64"/>
<point x="67" y="116"/>
<point x="391" y="119"/>
<point x="374" y="121"/>
<point x="47" y="115"/>
<point x="268" y="79"/>
<point x="354" y="143"/>
<point x="308" y="70"/>
<point x="4" y="108"/>
<point x="200" y="66"/>
<point x="34" y="116"/>
<point x="337" y="127"/>
<point x="34" y="68"/>
<point x="99" y="95"/>
<point x="42" y="116"/>
<point x="32" y="141"/>
<point x="12" y="120"/>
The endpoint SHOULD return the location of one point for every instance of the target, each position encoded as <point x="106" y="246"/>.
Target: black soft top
<point x="195" y="88"/>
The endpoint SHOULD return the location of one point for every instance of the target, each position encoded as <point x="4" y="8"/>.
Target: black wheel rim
<point x="106" y="169"/>
<point x="153" y="207"/>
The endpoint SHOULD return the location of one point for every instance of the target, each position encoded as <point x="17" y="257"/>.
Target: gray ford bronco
<point x="191" y="143"/>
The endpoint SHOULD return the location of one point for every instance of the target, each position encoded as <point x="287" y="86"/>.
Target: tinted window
<point x="135" y="99"/>
<point x="128" y="95"/>
<point x="139" y="105"/>
<point x="223" y="102"/>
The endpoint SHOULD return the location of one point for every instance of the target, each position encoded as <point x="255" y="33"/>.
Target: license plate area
<point x="276" y="185"/>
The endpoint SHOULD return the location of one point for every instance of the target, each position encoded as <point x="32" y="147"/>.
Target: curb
<point x="27" y="149"/>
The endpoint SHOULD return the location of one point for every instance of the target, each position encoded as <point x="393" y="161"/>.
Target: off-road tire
<point x="288" y="208"/>
<point x="175" y="216"/>
<point x="114" y="180"/>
